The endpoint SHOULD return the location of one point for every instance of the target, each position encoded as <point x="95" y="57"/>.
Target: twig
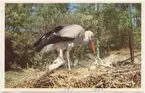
<point x="130" y="58"/>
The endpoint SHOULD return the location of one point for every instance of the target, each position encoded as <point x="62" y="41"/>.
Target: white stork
<point x="64" y="37"/>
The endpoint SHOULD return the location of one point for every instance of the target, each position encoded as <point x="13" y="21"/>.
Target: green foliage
<point x="137" y="38"/>
<point x="22" y="51"/>
<point x="16" y="15"/>
<point x="22" y="46"/>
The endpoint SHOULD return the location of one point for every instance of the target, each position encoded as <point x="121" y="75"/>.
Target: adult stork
<point x="64" y="37"/>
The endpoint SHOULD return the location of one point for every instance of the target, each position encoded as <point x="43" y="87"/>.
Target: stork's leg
<point x="61" y="53"/>
<point x="60" y="56"/>
<point x="68" y="55"/>
<point x="58" y="62"/>
<point x="68" y="59"/>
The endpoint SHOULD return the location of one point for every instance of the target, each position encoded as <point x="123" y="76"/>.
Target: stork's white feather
<point x="48" y="48"/>
<point x="72" y="31"/>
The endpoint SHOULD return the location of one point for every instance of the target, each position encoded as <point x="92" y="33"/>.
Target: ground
<point x="122" y="74"/>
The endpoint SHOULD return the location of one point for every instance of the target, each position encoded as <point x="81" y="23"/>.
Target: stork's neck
<point x="85" y="40"/>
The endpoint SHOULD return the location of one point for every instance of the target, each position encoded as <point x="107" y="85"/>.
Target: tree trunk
<point x="97" y="41"/>
<point x="131" y="34"/>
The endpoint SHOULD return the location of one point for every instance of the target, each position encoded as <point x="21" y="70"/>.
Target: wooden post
<point x="97" y="41"/>
<point x="131" y="34"/>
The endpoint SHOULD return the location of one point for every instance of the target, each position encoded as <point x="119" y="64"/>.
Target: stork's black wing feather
<point x="56" y="29"/>
<point x="50" y="38"/>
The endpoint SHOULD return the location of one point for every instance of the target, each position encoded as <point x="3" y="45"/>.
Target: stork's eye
<point x="92" y="36"/>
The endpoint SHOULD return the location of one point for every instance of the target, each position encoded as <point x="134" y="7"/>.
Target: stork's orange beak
<point x="93" y="46"/>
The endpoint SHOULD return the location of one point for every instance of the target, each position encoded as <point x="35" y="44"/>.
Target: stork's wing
<point x="50" y="38"/>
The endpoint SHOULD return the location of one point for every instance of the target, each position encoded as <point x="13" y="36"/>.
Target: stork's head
<point x="90" y="35"/>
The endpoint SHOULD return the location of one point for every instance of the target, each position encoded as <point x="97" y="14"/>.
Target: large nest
<point x="122" y="74"/>
<point x="119" y="77"/>
<point x="128" y="76"/>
